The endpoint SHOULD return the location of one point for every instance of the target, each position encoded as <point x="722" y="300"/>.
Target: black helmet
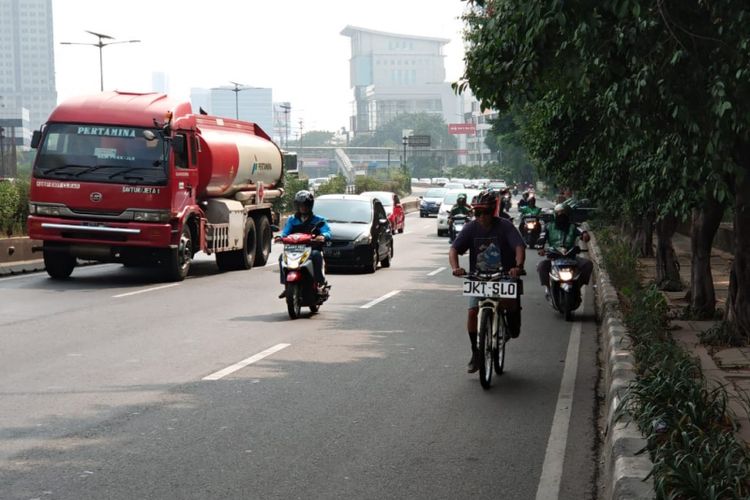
<point x="303" y="198"/>
<point x="486" y="200"/>
<point x="461" y="197"/>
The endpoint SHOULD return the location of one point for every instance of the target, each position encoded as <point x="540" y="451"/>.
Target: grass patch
<point x="687" y="424"/>
<point x="722" y="334"/>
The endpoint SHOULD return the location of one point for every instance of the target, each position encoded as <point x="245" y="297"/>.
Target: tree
<point x="644" y="104"/>
<point x="315" y="138"/>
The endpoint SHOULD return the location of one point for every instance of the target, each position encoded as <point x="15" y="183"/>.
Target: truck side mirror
<point x="36" y="138"/>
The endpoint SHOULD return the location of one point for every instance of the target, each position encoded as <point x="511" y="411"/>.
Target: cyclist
<point x="305" y="221"/>
<point x="492" y="242"/>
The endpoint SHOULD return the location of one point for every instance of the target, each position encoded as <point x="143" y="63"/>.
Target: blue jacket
<point x="295" y="225"/>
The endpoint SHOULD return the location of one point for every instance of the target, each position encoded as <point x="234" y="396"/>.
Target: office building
<point x="252" y="104"/>
<point x="392" y="74"/>
<point x="27" y="64"/>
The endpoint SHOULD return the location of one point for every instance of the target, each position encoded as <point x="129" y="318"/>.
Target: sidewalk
<point x="727" y="366"/>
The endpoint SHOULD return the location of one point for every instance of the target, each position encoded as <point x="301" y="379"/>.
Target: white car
<point x="448" y="201"/>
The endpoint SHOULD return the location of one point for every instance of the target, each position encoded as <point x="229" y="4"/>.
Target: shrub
<point x="9" y="201"/>
<point x="335" y="185"/>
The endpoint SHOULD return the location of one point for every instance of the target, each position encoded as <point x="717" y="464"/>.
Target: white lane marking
<point x="145" y="290"/>
<point x="436" y="271"/>
<point x="246" y="362"/>
<point x="407" y="232"/>
<point x="379" y="300"/>
<point x="554" y="457"/>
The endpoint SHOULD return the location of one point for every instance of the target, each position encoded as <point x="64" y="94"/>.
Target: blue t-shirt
<point x="489" y="249"/>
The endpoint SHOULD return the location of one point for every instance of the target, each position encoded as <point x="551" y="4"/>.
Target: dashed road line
<point x="380" y="299"/>
<point x="246" y="362"/>
<point x="145" y="290"/>
<point x="436" y="271"/>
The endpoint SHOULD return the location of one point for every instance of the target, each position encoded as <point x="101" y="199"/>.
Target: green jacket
<point x="556" y="237"/>
<point x="458" y="209"/>
<point x="527" y="210"/>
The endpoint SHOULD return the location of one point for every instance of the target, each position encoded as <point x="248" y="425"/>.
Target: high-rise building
<point x="160" y="82"/>
<point x="27" y="63"/>
<point x="252" y="104"/>
<point x="392" y="74"/>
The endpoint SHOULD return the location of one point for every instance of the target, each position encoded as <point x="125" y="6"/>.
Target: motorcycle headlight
<point x="151" y="215"/>
<point x="363" y="239"/>
<point x="566" y="274"/>
<point x="295" y="259"/>
<point x="530" y="225"/>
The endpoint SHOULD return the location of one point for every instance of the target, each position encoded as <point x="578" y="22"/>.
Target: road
<point x="116" y="386"/>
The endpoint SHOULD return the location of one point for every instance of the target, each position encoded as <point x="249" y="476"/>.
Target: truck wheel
<point x="265" y="236"/>
<point x="59" y="265"/>
<point x="243" y="258"/>
<point x="178" y="263"/>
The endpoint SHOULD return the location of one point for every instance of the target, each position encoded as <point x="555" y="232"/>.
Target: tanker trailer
<point x="139" y="179"/>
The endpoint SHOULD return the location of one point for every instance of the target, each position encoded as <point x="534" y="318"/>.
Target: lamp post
<point x="287" y="107"/>
<point x="238" y="87"/>
<point x="101" y="44"/>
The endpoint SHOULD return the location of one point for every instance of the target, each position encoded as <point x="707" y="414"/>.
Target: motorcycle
<point x="531" y="228"/>
<point x="457" y="223"/>
<point x="297" y="267"/>
<point x="564" y="279"/>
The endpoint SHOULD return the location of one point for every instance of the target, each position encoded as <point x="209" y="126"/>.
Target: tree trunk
<point x="706" y="222"/>
<point x="643" y="236"/>
<point x="667" y="270"/>
<point x="738" y="301"/>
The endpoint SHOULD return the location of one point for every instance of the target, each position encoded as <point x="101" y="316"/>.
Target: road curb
<point x="625" y="470"/>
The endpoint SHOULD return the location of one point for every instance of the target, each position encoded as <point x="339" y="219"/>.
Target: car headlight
<point x="363" y="239"/>
<point x="49" y="210"/>
<point x="422" y="203"/>
<point x="151" y="215"/>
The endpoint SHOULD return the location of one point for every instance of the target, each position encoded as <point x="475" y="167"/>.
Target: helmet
<point x="461" y="197"/>
<point x="303" y="198"/>
<point x="486" y="200"/>
<point x="562" y="213"/>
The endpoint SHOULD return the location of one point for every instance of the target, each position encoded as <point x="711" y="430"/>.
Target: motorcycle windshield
<point x="102" y="153"/>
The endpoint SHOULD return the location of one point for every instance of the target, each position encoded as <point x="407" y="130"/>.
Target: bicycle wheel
<point x="498" y="354"/>
<point x="485" y="348"/>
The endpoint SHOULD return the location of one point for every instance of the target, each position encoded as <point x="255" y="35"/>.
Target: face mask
<point x="562" y="220"/>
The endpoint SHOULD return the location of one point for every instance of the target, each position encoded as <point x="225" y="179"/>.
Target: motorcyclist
<point x="492" y="242"/>
<point x="305" y="221"/>
<point x="524" y="200"/>
<point x="459" y="208"/>
<point x="562" y="233"/>
<point x="528" y="210"/>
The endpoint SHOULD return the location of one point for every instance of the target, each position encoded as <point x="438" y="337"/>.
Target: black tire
<point x="180" y="259"/>
<point x="485" y="349"/>
<point x="387" y="261"/>
<point x="567" y="305"/>
<point x="264" y="239"/>
<point x="373" y="266"/>
<point x="59" y="265"/>
<point x="293" y="300"/>
<point x="241" y="259"/>
<point x="314" y="308"/>
<point x="498" y="354"/>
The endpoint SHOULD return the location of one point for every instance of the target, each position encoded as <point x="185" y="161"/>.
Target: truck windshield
<point x="101" y="153"/>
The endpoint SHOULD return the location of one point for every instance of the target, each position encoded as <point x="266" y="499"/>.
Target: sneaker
<point x="474" y="363"/>
<point x="282" y="294"/>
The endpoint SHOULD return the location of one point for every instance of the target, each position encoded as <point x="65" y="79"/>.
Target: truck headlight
<point x="363" y="239"/>
<point x="151" y="215"/>
<point x="43" y="209"/>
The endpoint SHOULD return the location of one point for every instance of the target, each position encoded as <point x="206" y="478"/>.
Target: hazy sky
<point x="292" y="46"/>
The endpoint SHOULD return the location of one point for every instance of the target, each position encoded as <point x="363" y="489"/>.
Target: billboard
<point x="462" y="128"/>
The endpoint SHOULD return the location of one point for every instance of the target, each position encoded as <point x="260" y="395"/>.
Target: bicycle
<point x="499" y="292"/>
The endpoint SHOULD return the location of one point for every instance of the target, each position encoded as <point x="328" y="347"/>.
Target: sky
<point x="293" y="46"/>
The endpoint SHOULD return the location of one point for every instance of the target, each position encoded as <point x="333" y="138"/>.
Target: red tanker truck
<point x="139" y="179"/>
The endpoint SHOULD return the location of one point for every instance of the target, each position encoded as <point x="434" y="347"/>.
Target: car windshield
<point x="351" y="210"/>
<point x="435" y="193"/>
<point x="101" y="153"/>
<point x="385" y="198"/>
<point x="450" y="198"/>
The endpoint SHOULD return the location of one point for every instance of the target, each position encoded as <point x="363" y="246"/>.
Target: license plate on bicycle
<point x="493" y="289"/>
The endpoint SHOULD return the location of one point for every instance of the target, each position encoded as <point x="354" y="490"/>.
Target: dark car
<point x="430" y="202"/>
<point x="361" y="235"/>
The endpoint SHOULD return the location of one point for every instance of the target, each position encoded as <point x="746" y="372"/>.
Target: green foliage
<point x="687" y="424"/>
<point x="22" y="206"/>
<point x="9" y="201"/>
<point x="335" y="185"/>
<point x="292" y="184"/>
<point x="316" y="138"/>
<point x="722" y="334"/>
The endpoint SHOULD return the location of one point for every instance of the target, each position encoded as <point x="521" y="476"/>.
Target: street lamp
<point x="101" y="44"/>
<point x="238" y="87"/>
<point x="287" y="107"/>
